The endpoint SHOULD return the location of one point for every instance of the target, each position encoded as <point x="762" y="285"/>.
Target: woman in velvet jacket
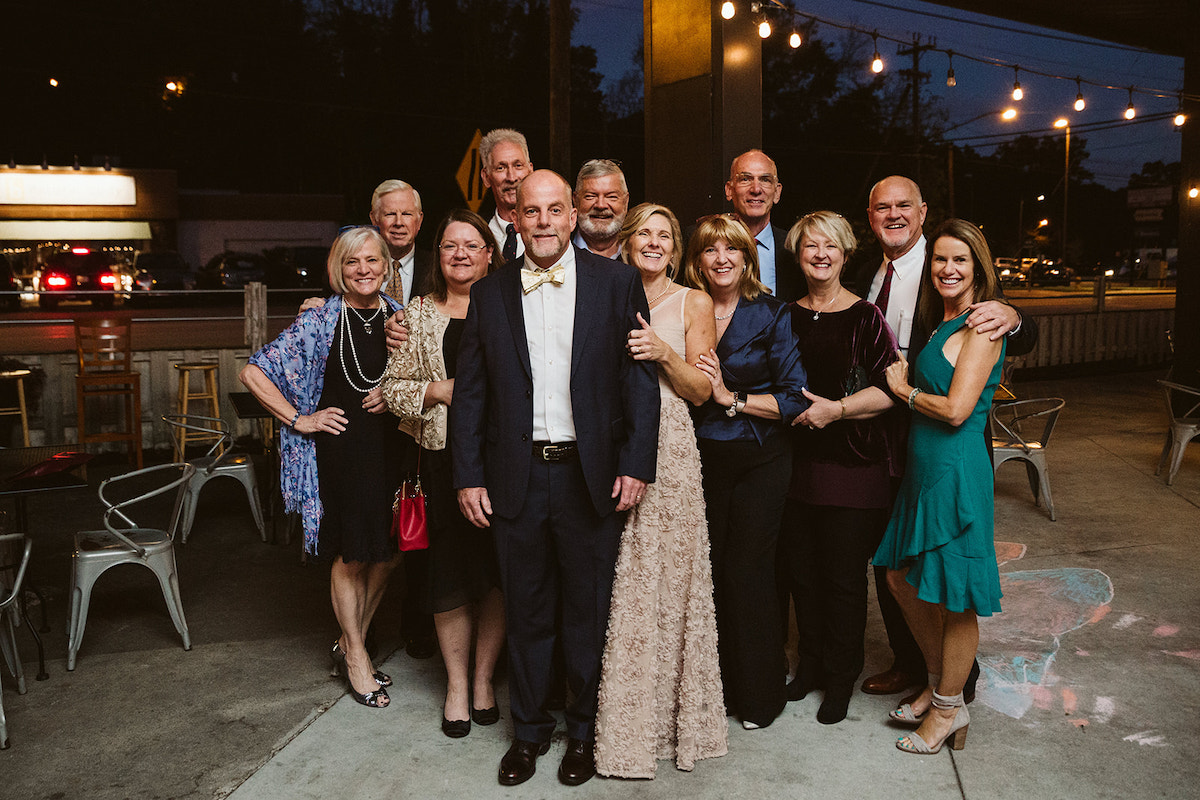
<point x="746" y="454"/>
<point x="840" y="495"/>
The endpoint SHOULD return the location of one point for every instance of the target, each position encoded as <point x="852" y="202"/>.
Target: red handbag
<point x="409" y="527"/>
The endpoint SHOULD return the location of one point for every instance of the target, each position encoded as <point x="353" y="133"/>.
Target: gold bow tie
<point x="533" y="278"/>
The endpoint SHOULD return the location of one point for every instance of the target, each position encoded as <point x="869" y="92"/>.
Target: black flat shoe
<point x="456" y="728"/>
<point x="486" y="716"/>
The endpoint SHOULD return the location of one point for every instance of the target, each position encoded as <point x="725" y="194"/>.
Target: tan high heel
<point x="913" y="743"/>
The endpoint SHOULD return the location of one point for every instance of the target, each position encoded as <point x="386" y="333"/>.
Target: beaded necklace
<point x="346" y="337"/>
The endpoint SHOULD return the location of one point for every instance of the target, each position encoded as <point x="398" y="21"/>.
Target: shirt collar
<point x="567" y="261"/>
<point x="912" y="262"/>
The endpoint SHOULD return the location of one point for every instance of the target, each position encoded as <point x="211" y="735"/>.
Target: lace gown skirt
<point x="660" y="688"/>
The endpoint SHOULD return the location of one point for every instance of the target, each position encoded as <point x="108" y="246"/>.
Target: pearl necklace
<point x="724" y="317"/>
<point x="817" y="314"/>
<point x="366" y="321"/>
<point x="346" y="337"/>
<point x="657" y="297"/>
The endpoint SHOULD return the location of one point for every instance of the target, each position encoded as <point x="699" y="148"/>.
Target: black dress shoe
<point x="520" y="762"/>
<point x="578" y="763"/>
<point x="456" y="728"/>
<point x="835" y="705"/>
<point x="799" y="687"/>
<point x="486" y="716"/>
<point x="421" y="646"/>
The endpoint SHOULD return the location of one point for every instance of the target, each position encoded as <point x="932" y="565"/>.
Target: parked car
<point x="298" y="267"/>
<point x="1050" y="273"/>
<point x="1011" y="275"/>
<point x="155" y="273"/>
<point x="231" y="270"/>
<point x="77" y="274"/>
<point x="10" y="287"/>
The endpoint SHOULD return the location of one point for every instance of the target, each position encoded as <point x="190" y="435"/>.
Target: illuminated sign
<point x="66" y="189"/>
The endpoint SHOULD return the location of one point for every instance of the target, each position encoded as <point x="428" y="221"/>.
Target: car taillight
<point x="108" y="279"/>
<point x="57" y="281"/>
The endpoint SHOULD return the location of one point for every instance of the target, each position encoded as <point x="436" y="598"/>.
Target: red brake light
<point x="80" y="251"/>
<point x="108" y="279"/>
<point x="56" y="281"/>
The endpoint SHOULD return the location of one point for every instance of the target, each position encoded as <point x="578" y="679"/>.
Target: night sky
<point x="612" y="27"/>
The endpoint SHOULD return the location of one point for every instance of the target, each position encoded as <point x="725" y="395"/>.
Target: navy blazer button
<point x="524" y="437"/>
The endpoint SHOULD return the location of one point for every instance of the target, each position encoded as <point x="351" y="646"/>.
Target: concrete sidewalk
<point x="1090" y="675"/>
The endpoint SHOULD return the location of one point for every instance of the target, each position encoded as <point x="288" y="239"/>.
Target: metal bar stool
<point x="207" y="397"/>
<point x="18" y="375"/>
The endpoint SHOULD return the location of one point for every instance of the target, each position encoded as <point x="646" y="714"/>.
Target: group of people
<point x="638" y="448"/>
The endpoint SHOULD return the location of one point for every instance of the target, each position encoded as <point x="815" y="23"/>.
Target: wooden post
<point x="256" y="315"/>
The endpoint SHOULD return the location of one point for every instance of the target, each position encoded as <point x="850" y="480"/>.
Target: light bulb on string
<point x="1130" y="112"/>
<point x="876" y="61"/>
<point x="1079" y="102"/>
<point x="728" y="9"/>
<point x="950" y="81"/>
<point x="764" y="29"/>
<point x="1180" y="117"/>
<point x="794" y="40"/>
<point x="1017" y="92"/>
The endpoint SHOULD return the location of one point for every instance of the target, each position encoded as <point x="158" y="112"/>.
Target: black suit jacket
<point x="614" y="399"/>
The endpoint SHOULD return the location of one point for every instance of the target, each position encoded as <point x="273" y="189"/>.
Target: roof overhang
<point x="34" y="230"/>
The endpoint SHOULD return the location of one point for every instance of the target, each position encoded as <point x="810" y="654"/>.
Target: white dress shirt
<point x="500" y="231"/>
<point x="906" y="284"/>
<point x="549" y="330"/>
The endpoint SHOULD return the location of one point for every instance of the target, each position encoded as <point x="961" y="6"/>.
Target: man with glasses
<point x="754" y="188"/>
<point x="504" y="159"/>
<point x="601" y="202"/>
<point x="396" y="212"/>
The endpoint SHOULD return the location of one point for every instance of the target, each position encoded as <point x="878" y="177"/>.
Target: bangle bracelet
<point x="843" y="403"/>
<point x="912" y="398"/>
<point x="292" y="424"/>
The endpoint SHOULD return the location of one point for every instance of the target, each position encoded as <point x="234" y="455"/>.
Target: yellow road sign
<point x="469" y="179"/>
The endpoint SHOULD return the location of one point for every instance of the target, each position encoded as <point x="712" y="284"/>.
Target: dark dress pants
<point x="557" y="561"/>
<point x="826" y="550"/>
<point x="744" y="488"/>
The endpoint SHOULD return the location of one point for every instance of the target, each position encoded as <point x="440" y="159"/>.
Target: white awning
<point x="18" y="230"/>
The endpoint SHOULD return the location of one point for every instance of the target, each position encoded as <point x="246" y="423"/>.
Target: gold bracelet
<point x="843" y="402"/>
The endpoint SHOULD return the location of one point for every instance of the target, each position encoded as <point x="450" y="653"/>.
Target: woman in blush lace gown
<point x="660" y="688"/>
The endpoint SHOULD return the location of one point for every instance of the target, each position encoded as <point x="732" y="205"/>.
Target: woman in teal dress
<point x="938" y="546"/>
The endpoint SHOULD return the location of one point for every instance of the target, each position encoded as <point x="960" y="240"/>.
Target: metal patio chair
<point x="124" y="541"/>
<point x="1181" y="427"/>
<point x="12" y="542"/>
<point x="1021" y="430"/>
<point x="210" y="465"/>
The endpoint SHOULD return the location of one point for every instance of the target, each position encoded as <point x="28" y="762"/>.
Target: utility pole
<point x="916" y="78"/>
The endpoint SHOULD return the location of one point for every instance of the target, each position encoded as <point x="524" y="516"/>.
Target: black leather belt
<point x="552" y="453"/>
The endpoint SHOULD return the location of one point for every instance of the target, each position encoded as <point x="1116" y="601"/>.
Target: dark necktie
<point x="885" y="291"/>
<point x="510" y="243"/>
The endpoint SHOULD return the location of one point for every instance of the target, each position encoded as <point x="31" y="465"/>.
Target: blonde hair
<point x="830" y="224"/>
<point x="347" y="244"/>
<point x="720" y="228"/>
<point x="638" y="216"/>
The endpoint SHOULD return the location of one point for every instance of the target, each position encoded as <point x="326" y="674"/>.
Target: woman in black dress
<point x="321" y="379"/>
<point x="464" y="582"/>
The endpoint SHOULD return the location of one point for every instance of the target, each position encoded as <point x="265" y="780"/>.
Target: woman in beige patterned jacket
<point x="464" y="582"/>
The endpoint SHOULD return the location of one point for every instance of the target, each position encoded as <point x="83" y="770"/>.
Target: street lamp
<point x="1063" y="122"/>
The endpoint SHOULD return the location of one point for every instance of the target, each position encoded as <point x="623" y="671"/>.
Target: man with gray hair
<point x="601" y="202"/>
<point x="396" y="211"/>
<point x="504" y="163"/>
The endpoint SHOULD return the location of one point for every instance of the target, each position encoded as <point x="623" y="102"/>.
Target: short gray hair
<point x="488" y="143"/>
<point x="599" y="168"/>
<point x="347" y="244"/>
<point x="393" y="185"/>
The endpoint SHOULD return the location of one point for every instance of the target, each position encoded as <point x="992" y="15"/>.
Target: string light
<point x="1130" y="113"/>
<point x="950" y="81"/>
<point x="54" y="81"/>
<point x="1180" y="117"/>
<point x="1017" y="92"/>
<point x="794" y="40"/>
<point x="876" y="61"/>
<point x="764" y="29"/>
<point x="1079" y="103"/>
<point x="1193" y="192"/>
<point x="728" y="9"/>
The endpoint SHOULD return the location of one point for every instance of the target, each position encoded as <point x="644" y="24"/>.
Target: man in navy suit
<point x="554" y="432"/>
<point x="754" y="189"/>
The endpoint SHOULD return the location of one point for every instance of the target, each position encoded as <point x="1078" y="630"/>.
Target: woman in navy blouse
<point x="746" y="453"/>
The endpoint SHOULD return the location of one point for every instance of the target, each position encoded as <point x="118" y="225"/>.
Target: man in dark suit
<point x="396" y="211"/>
<point x="897" y="213"/>
<point x="754" y="189"/>
<point x="554" y="431"/>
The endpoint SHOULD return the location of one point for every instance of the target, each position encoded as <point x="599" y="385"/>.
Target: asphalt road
<point x="217" y="325"/>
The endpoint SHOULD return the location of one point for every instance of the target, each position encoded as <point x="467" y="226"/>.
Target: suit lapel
<point x="587" y="287"/>
<point x="510" y="293"/>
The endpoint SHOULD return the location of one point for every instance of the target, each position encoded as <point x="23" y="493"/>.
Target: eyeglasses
<point x="352" y="227"/>
<point x="745" y="179"/>
<point x="472" y="248"/>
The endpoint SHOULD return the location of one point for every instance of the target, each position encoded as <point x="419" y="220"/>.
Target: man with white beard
<point x="601" y="201"/>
